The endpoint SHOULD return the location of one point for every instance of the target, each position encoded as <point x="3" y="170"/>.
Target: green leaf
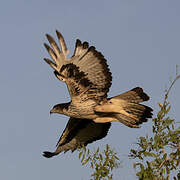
<point x="83" y="158"/>
<point x="85" y="161"/>
<point x="80" y="154"/>
<point x="167" y="110"/>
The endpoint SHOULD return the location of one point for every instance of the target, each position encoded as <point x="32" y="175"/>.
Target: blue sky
<point x="140" y="40"/>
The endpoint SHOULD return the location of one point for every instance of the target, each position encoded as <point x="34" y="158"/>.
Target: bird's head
<point x="60" y="108"/>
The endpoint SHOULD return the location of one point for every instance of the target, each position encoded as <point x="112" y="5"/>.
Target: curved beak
<point x="52" y="111"/>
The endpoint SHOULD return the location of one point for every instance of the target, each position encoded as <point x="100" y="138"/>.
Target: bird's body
<point x="81" y="110"/>
<point x="88" y="79"/>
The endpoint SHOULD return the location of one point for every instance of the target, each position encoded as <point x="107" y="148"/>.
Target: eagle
<point x="88" y="80"/>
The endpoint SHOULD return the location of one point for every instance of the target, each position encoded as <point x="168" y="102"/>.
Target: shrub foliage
<point x="103" y="163"/>
<point x="158" y="155"/>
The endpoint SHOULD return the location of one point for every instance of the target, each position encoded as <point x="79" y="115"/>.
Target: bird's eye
<point x="62" y="79"/>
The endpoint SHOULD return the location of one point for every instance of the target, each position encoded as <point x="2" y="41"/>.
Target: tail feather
<point x="135" y="95"/>
<point x="136" y="113"/>
<point x="126" y="120"/>
<point x="126" y="108"/>
<point x="139" y="110"/>
<point x="135" y="116"/>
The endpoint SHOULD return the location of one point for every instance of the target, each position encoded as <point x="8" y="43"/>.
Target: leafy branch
<point x="159" y="155"/>
<point x="103" y="163"/>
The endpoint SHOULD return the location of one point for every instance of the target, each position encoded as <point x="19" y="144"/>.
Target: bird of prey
<point x="91" y="112"/>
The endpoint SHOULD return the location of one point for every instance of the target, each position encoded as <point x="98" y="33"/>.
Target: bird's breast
<point x="83" y="109"/>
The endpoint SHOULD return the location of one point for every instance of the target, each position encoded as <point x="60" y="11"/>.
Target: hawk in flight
<point x="91" y="112"/>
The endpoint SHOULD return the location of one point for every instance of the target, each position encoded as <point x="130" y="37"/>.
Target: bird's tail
<point x="126" y="108"/>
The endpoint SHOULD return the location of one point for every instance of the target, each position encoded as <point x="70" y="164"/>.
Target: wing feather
<point x="53" y="44"/>
<point x="51" y="52"/>
<point x="85" y="73"/>
<point x="79" y="132"/>
<point x="62" y="43"/>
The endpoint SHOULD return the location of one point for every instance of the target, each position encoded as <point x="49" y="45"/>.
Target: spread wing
<point x="79" y="132"/>
<point x="86" y="73"/>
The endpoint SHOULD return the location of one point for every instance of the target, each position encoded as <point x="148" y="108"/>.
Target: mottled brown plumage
<point x="88" y="79"/>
